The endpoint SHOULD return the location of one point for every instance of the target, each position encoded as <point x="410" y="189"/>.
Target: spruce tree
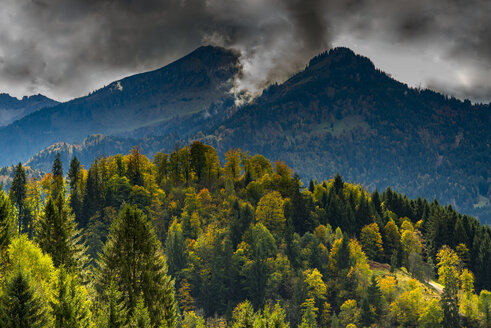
<point x="18" y="191"/>
<point x="94" y="195"/>
<point x="374" y="297"/>
<point x="57" y="235"/>
<point x="7" y="225"/>
<point x="57" y="171"/>
<point x="338" y="184"/>
<point x="112" y="312"/>
<point x="140" y="317"/>
<point x="135" y="170"/>
<point x="75" y="192"/>
<point x="132" y="257"/>
<point x="19" y="306"/>
<point x="69" y="305"/>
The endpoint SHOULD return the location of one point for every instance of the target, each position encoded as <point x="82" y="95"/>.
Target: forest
<point x="183" y="240"/>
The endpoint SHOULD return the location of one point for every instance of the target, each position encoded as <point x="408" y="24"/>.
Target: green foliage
<point x="7" y="222"/>
<point x="58" y="182"/>
<point x="269" y="212"/>
<point x="57" y="235"/>
<point x="243" y="316"/>
<point x="19" y="304"/>
<point x="448" y="274"/>
<point x="192" y="320"/>
<point x="69" y="303"/>
<point x="18" y="190"/>
<point x="432" y="315"/>
<point x="371" y="240"/>
<point x="133" y="259"/>
<point x="113" y="313"/>
<point x="140" y="317"/>
<point x="253" y="236"/>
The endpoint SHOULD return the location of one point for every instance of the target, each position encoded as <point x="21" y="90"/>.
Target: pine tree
<point x="338" y="184"/>
<point x="175" y="249"/>
<point x="374" y="297"/>
<point x="132" y="257"/>
<point x="377" y="203"/>
<point x="186" y="301"/>
<point x="57" y="235"/>
<point x="448" y="263"/>
<point x="7" y="226"/>
<point x="140" y="317"/>
<point x="113" y="313"/>
<point x="75" y="192"/>
<point x="69" y="304"/>
<point x="135" y="170"/>
<point x="243" y="316"/>
<point x="18" y="191"/>
<point x="94" y="195"/>
<point x="19" y="306"/>
<point x="57" y="171"/>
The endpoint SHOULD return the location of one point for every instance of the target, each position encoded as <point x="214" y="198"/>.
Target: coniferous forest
<point x="182" y="240"/>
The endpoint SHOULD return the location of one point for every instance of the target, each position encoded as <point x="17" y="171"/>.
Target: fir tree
<point x="140" y="317"/>
<point x="113" y="313"/>
<point x="75" y="192"/>
<point x="338" y="184"/>
<point x="374" y="297"/>
<point x="94" y="195"/>
<point x="57" y="172"/>
<point x="19" y="306"/>
<point x="18" y="191"/>
<point x="133" y="258"/>
<point x="57" y="235"/>
<point x="135" y="171"/>
<point x="69" y="305"/>
<point x="7" y="225"/>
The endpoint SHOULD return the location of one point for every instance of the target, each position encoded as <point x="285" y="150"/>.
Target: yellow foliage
<point x="316" y="286"/>
<point x="388" y="286"/>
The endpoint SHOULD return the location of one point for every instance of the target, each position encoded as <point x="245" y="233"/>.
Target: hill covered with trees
<point x="341" y="114"/>
<point x="184" y="241"/>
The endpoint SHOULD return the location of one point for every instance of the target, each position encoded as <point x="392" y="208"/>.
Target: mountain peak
<point x="342" y="58"/>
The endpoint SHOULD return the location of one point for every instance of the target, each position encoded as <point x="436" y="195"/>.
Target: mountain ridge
<point x="186" y="86"/>
<point x="12" y="108"/>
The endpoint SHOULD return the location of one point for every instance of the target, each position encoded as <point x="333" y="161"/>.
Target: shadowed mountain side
<point x="189" y="85"/>
<point x="343" y="115"/>
<point x="12" y="109"/>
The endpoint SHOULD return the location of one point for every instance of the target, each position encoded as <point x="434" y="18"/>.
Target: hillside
<point x="198" y="82"/>
<point x="96" y="146"/>
<point x="343" y="115"/>
<point x="239" y="243"/>
<point x="12" y="109"/>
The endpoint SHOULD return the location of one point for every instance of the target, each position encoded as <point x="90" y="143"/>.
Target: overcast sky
<point x="67" y="48"/>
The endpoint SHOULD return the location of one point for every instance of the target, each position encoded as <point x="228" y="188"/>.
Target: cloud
<point x="67" y="48"/>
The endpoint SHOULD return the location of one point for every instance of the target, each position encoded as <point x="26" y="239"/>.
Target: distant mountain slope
<point x="192" y="84"/>
<point x="343" y="115"/>
<point x="96" y="146"/>
<point x="12" y="109"/>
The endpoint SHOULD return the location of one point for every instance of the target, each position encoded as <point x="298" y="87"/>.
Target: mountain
<point x="12" y="109"/>
<point x="197" y="83"/>
<point x="342" y="115"/>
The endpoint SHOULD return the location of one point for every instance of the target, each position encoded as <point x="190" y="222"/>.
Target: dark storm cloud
<point x="69" y="47"/>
